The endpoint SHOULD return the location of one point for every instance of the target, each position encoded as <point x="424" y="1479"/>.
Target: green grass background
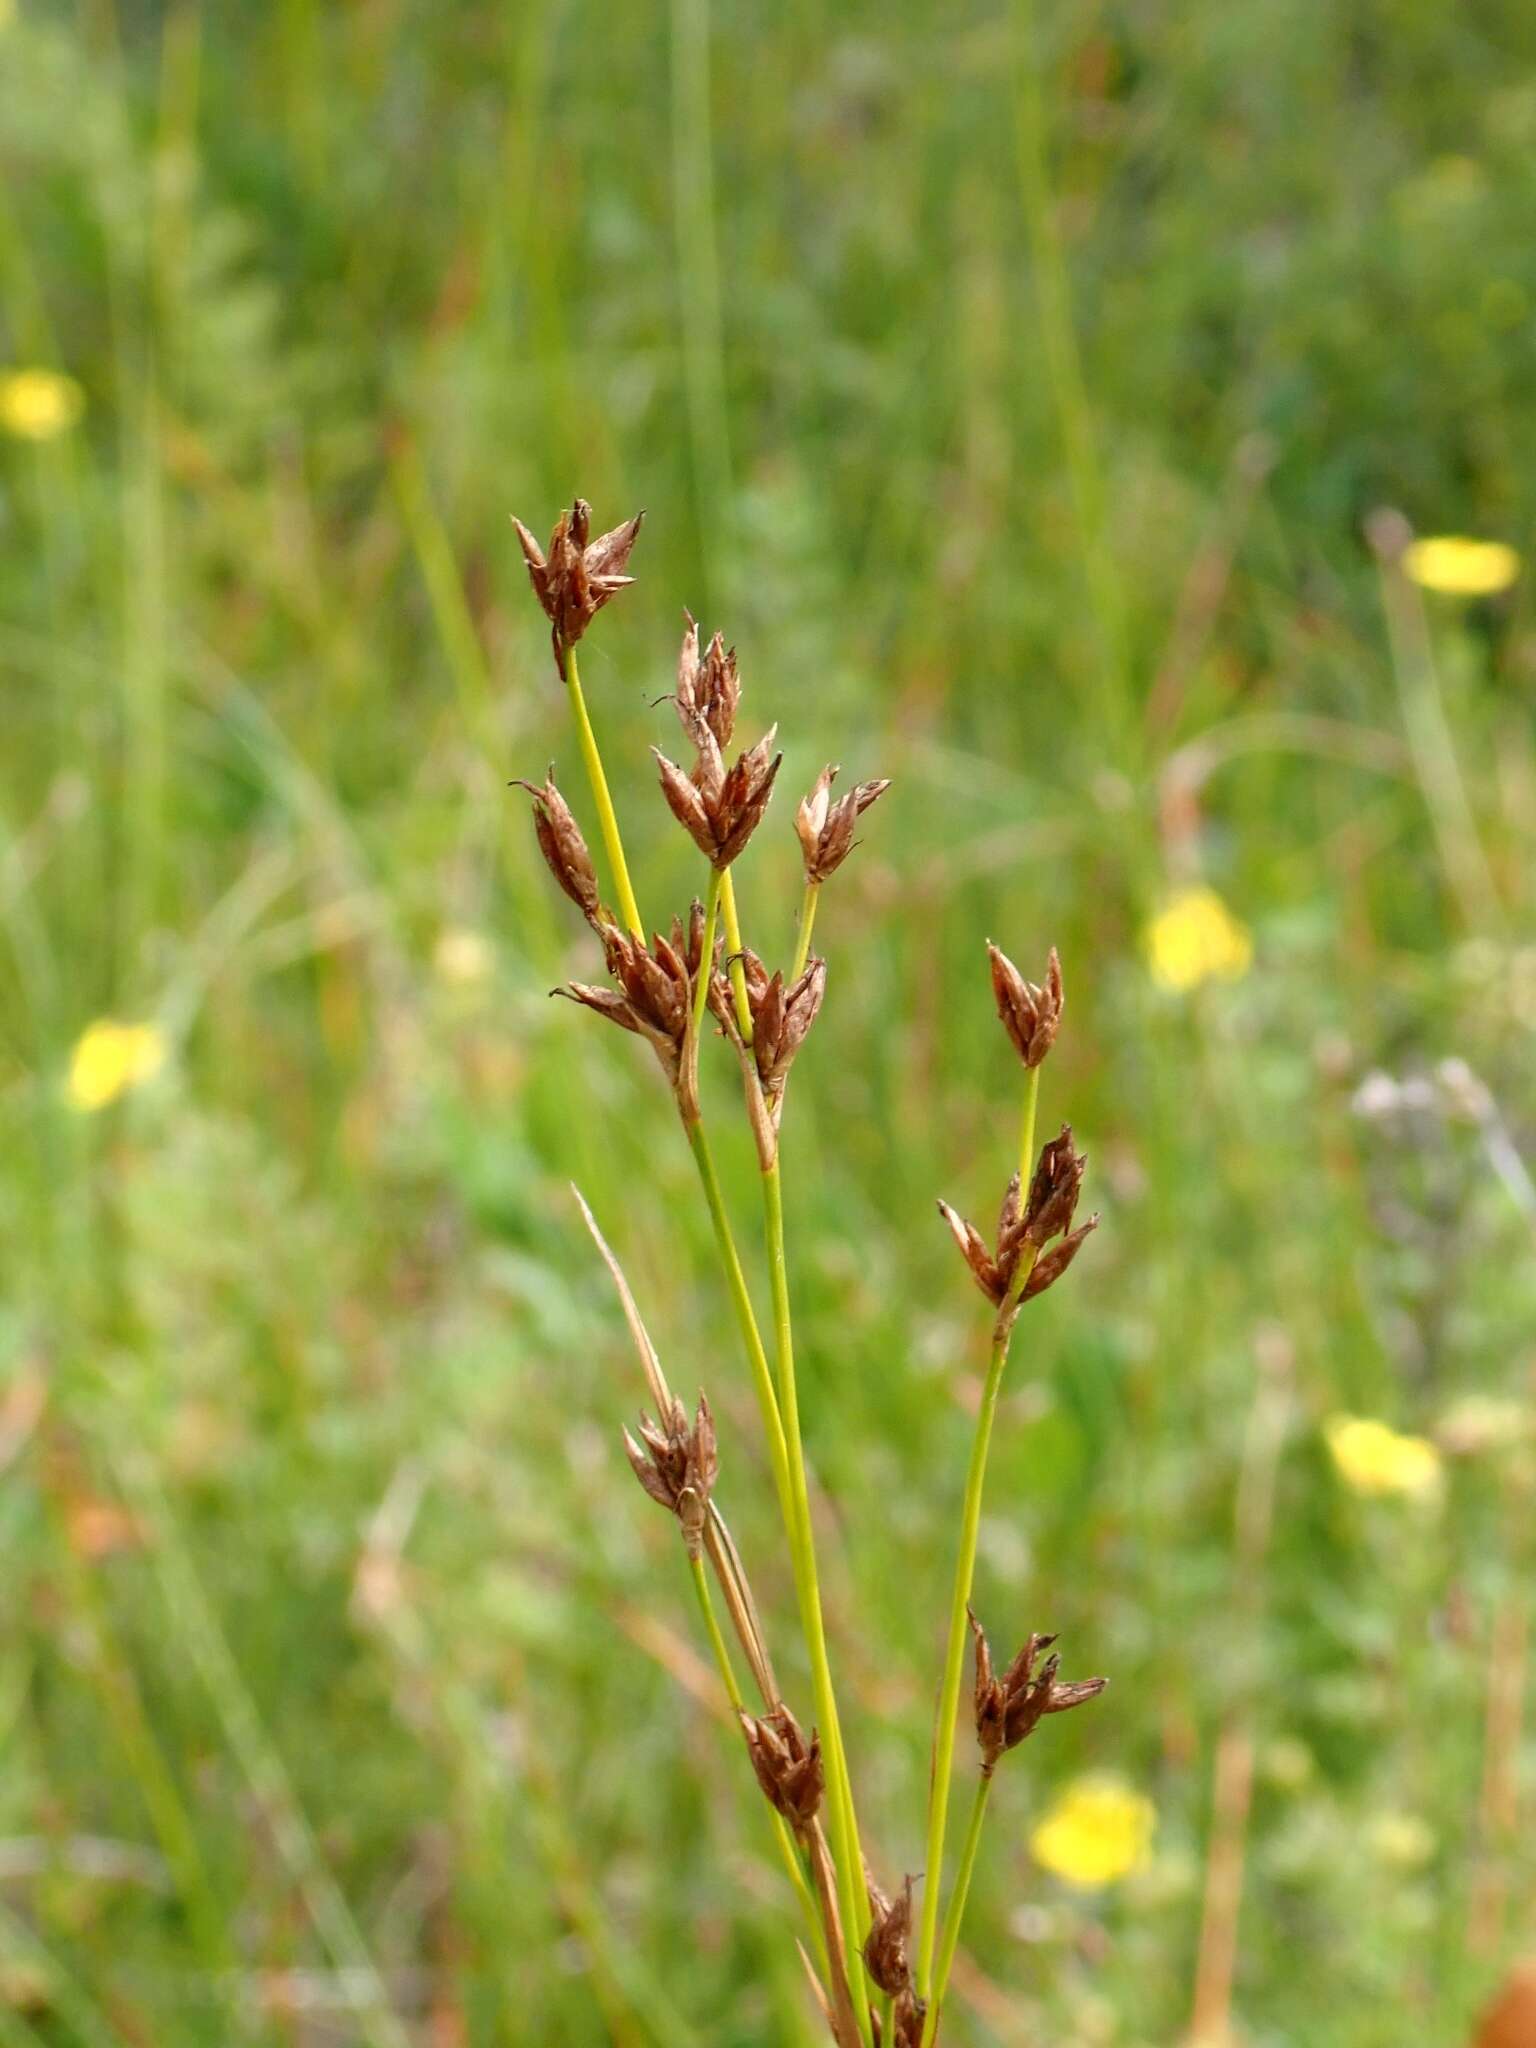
<point x="1013" y="388"/>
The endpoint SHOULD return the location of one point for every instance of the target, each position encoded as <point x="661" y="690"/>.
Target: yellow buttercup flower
<point x="1375" y="1459"/>
<point x="1462" y="568"/>
<point x="110" y="1058"/>
<point x="35" y="405"/>
<point x="1195" y="938"/>
<point x="1099" y="1830"/>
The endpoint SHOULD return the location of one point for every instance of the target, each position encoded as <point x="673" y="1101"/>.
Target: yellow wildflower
<point x="37" y="404"/>
<point x="1100" y="1829"/>
<point x="1375" y="1459"/>
<point x="110" y="1058"/>
<point x="1195" y="938"/>
<point x="1462" y="568"/>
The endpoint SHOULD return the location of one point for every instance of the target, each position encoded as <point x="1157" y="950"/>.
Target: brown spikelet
<point x="885" y="1947"/>
<point x="1053" y="1190"/>
<point x="1031" y="1014"/>
<point x="708" y="690"/>
<point x="720" y="808"/>
<point x="781" y="1016"/>
<point x="654" y="997"/>
<point x="1009" y="1708"/>
<point x="564" y="850"/>
<point x="678" y="1465"/>
<point x="788" y="1768"/>
<point x="1018" y="1269"/>
<point x="578" y="575"/>
<point x="825" y="829"/>
<point x="1050" y="1265"/>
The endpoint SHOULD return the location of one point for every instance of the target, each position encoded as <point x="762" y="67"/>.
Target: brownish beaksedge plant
<point x="879" y="1972"/>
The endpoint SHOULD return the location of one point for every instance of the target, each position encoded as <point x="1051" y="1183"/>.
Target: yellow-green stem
<point x="607" y="818"/>
<point x="733" y="1693"/>
<point x="733" y="948"/>
<point x="965" y="1570"/>
<point x="852" y="1898"/>
<point x="807" y="923"/>
<point x="706" y="954"/>
<point x="956" y="1912"/>
<point x="746" y="1316"/>
<point x="1027" y="1130"/>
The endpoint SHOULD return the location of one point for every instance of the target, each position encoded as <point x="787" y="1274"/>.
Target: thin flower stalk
<point x="733" y="947"/>
<point x="845" y="1835"/>
<point x="808" y="904"/>
<point x="1009" y="1707"/>
<point x="733" y="1693"/>
<point x="701" y="990"/>
<point x="608" y="820"/>
<point x="955" y="1913"/>
<point x="705" y="1534"/>
<point x="965" y="1572"/>
<point x="746" y="1315"/>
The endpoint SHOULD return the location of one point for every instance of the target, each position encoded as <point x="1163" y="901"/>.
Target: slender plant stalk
<point x="607" y="817"/>
<point x="845" y="1834"/>
<point x="733" y="948"/>
<point x="807" y="924"/>
<point x="956" y="1912"/>
<point x="706" y="954"/>
<point x="746" y="1315"/>
<point x="1027" y="1128"/>
<point x="965" y="1570"/>
<point x="733" y="1693"/>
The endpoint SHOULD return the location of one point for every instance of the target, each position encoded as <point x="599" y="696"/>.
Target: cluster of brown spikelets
<point x="878" y="1970"/>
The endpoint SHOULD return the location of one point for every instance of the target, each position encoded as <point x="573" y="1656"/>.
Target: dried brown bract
<point x="788" y="1767"/>
<point x="654" y="997"/>
<point x="1031" y="1015"/>
<point x="1053" y="1191"/>
<point x="708" y="690"/>
<point x="1011" y="1707"/>
<point x="719" y="807"/>
<point x="825" y="829"/>
<point x="579" y="575"/>
<point x="1023" y="1229"/>
<point x="678" y="1465"/>
<point x="564" y="850"/>
<point x="907" y="2018"/>
<point x="781" y="1016"/>
<point x="885" y="1947"/>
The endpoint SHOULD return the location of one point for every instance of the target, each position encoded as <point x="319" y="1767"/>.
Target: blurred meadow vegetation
<point x="1016" y="391"/>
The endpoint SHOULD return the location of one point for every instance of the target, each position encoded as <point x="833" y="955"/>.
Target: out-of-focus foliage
<point x="1014" y="392"/>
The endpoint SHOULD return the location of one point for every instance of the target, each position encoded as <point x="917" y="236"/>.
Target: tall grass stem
<point x="853" y="1902"/>
<point x="965" y="1571"/>
<point x="607" y="817"/>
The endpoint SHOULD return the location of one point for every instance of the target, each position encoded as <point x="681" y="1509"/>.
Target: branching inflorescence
<point x="879" y="1971"/>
